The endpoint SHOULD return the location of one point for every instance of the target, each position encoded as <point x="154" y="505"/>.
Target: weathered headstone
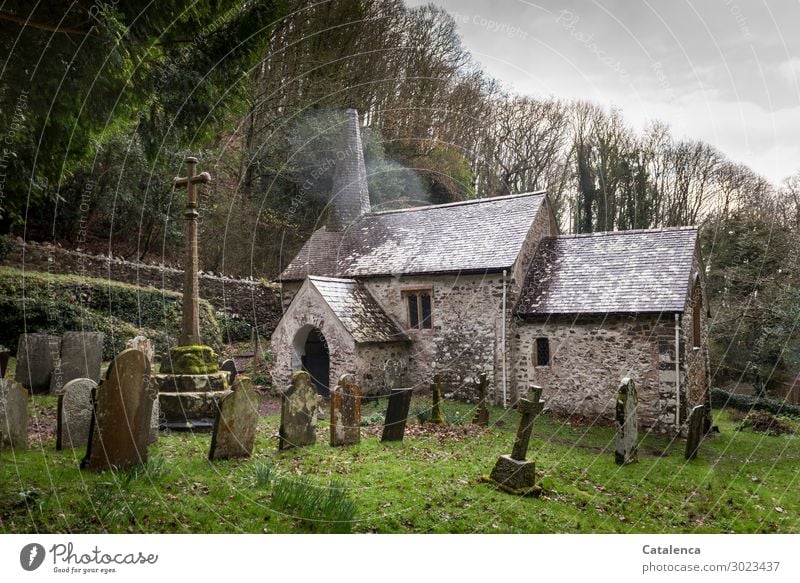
<point x="235" y="426"/>
<point x="695" y="434"/>
<point x="36" y="357"/>
<point x="81" y="354"/>
<point x="142" y="344"/>
<point x="122" y="414"/>
<point x="513" y="473"/>
<point x="155" y="420"/>
<point x="482" y="412"/>
<point x="74" y="414"/>
<point x="346" y="412"/>
<point x="13" y="415"/>
<point x="394" y="426"/>
<point x="392" y="371"/>
<point x="298" y="412"/>
<point x="627" y="423"/>
<point x="437" y="416"/>
<point x="229" y="366"/>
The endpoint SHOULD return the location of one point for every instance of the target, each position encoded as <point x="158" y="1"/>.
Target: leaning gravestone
<point x="36" y="358"/>
<point x="236" y="422"/>
<point x="81" y="353"/>
<point x="482" y="412"/>
<point x="513" y="473"/>
<point x="627" y="425"/>
<point x="394" y="426"/>
<point x="122" y="413"/>
<point x="437" y="417"/>
<point x="695" y="435"/>
<point x="13" y="416"/>
<point x="346" y="412"/>
<point x="230" y="367"/>
<point x="298" y="412"/>
<point x="74" y="414"/>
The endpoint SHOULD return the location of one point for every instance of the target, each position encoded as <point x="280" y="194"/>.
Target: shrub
<point x="373" y="418"/>
<point x="264" y="473"/>
<point x="234" y="328"/>
<point x="763" y="422"/>
<point x="326" y="509"/>
<point x="721" y="399"/>
<point x="5" y="247"/>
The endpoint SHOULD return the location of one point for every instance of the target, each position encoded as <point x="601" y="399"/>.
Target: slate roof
<point x="473" y="236"/>
<point x="619" y="272"/>
<point x="357" y="310"/>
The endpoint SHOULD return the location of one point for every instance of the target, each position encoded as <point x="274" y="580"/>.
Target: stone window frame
<point x="536" y="351"/>
<point x="418" y="291"/>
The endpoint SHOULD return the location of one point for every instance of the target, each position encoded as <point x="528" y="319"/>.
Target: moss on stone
<point x="194" y="359"/>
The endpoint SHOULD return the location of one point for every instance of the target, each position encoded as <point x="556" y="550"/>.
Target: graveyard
<point x="433" y="481"/>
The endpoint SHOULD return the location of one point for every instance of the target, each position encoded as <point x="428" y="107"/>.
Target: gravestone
<point x="394" y="426"/>
<point x="81" y="354"/>
<point x="298" y="412"/>
<point x="74" y="414"/>
<point x="437" y="416"/>
<point x="123" y="408"/>
<point x="13" y="416"/>
<point x="235" y="426"/>
<point x="695" y="435"/>
<point x="627" y="423"/>
<point x="346" y="412"/>
<point x="36" y="358"/>
<point x="392" y="372"/>
<point x="482" y="413"/>
<point x="513" y="473"/>
<point x="142" y="344"/>
<point x="229" y="366"/>
<point x="155" y="420"/>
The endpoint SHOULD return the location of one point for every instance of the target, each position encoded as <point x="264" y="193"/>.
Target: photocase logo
<point x="31" y="556"/>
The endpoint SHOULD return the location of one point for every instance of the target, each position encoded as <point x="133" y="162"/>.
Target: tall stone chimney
<point x="349" y="196"/>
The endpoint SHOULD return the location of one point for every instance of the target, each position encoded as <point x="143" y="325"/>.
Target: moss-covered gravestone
<point x="74" y="414"/>
<point x="299" y="402"/>
<point x="695" y="434"/>
<point x="394" y="426"/>
<point x="236" y="423"/>
<point x="513" y="473"/>
<point x="627" y="423"/>
<point x="13" y="415"/>
<point x="120" y="429"/>
<point x="346" y="412"/>
<point x="437" y="416"/>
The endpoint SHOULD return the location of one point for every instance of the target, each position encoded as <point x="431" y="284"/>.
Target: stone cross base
<point x="191" y="402"/>
<point x="514" y="476"/>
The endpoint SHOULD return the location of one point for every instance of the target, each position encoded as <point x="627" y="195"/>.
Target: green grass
<point x="430" y="483"/>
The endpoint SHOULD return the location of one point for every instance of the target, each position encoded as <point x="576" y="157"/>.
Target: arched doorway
<point x="314" y="357"/>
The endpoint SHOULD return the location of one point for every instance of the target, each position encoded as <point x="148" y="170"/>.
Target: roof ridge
<point x="625" y="232"/>
<point x="458" y="203"/>
<point x="332" y="279"/>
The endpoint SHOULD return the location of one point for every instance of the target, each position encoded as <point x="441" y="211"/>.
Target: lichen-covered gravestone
<point x="13" y="415"/>
<point x="437" y="416"/>
<point x="346" y="412"/>
<point x="81" y="353"/>
<point x="394" y="426"/>
<point x="482" y="412"/>
<point x="627" y="424"/>
<point x="36" y="358"/>
<point x="695" y="435"/>
<point x="298" y="412"/>
<point x="235" y="426"/>
<point x="122" y="413"/>
<point x="74" y="414"/>
<point x="513" y="473"/>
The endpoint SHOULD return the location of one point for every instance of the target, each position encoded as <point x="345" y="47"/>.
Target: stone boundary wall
<point x="254" y="301"/>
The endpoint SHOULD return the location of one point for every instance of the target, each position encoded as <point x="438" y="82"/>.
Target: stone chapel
<point x="491" y="286"/>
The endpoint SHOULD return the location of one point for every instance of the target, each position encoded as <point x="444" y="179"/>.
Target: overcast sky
<point x="724" y="71"/>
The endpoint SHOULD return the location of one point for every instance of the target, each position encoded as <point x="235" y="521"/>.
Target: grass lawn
<point x="430" y="483"/>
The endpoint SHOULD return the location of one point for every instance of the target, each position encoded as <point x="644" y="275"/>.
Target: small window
<point x="542" y="352"/>
<point x="419" y="309"/>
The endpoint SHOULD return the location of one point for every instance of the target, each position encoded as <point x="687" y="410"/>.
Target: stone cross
<point x="482" y="413"/>
<point x="627" y="424"/>
<point x="529" y="410"/>
<point x="437" y="417"/>
<point x="190" y="333"/>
